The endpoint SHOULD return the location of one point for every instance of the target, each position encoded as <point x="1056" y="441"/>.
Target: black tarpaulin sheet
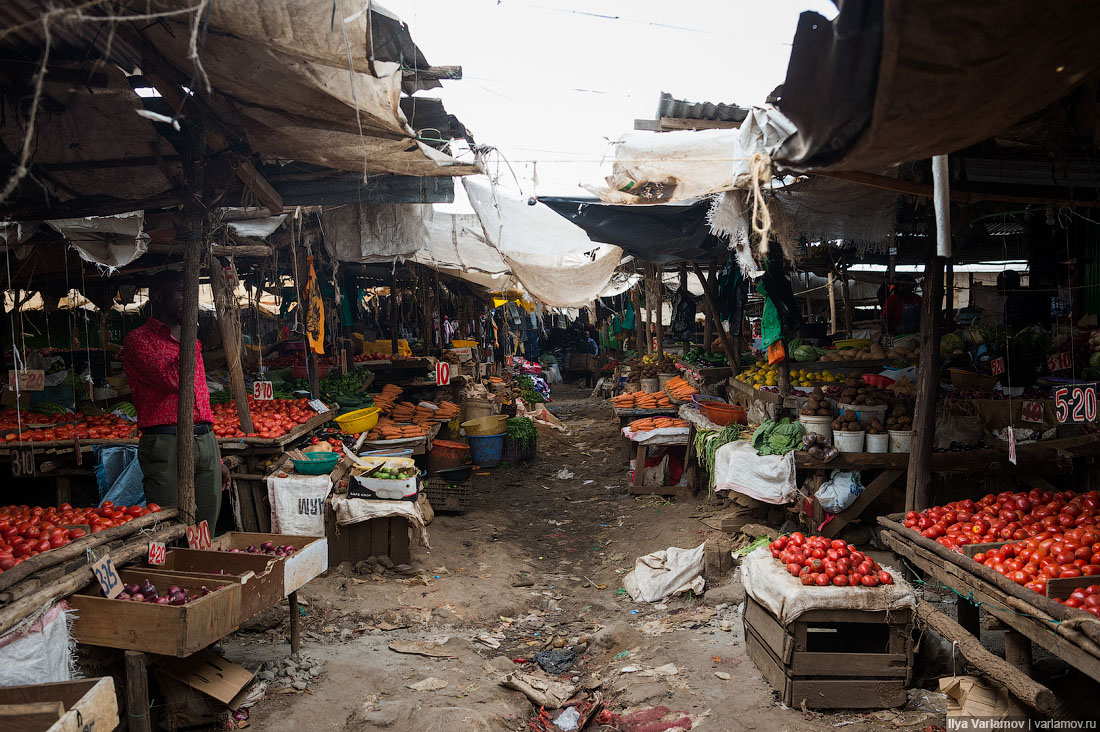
<point x="658" y="233"/>
<point x="886" y="83"/>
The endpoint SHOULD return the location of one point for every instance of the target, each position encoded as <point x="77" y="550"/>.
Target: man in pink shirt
<point x="151" y="359"/>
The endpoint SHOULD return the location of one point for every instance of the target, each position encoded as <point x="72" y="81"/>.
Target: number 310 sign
<point x="1075" y="404"/>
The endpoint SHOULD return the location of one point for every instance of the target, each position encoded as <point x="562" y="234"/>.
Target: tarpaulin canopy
<point x="885" y="83"/>
<point x="658" y="234"/>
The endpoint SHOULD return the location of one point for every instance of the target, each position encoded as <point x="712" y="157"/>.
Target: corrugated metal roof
<point x="680" y="109"/>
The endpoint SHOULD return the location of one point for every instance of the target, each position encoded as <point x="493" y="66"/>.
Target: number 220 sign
<point x="1075" y="404"/>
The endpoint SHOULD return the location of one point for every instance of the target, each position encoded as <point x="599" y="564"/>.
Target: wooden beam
<point x="229" y="322"/>
<point x="677" y="123"/>
<point x="712" y="313"/>
<point x="433" y="73"/>
<point x="918" y="485"/>
<point x="192" y="253"/>
<point x="832" y="304"/>
<point x="971" y="193"/>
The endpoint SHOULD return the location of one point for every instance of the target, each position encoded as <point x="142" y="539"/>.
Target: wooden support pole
<point x="712" y="315"/>
<point x="229" y="322"/>
<point x="807" y="298"/>
<point x="639" y="343"/>
<point x="659" y="304"/>
<point x="439" y="306"/>
<point x="393" y="312"/>
<point x="1018" y="651"/>
<point x="846" y="297"/>
<point x="427" y="292"/>
<point x="784" y="377"/>
<point x="137" y="692"/>
<point x="949" y="287"/>
<point x="918" y="486"/>
<point x="192" y="252"/>
<point x="832" y="303"/>
<point x="295" y="623"/>
<point x="684" y="289"/>
<point x="708" y="335"/>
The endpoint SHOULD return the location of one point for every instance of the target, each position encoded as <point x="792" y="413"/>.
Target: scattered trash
<point x="645" y="720"/>
<point x="588" y="482"/>
<point x="563" y="474"/>
<point x="429" y="684"/>
<point x="722" y="675"/>
<point x="670" y="571"/>
<point x="567" y="720"/>
<point x="556" y="661"/>
<point x="630" y="669"/>
<point x="540" y="688"/>
<point x="421" y="648"/>
<point x="621" y="654"/>
<point x="669" y="669"/>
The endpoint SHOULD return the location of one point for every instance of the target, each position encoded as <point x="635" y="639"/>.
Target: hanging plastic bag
<point x="840" y="491"/>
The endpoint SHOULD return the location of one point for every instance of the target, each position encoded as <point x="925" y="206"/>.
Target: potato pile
<point x="859" y="393"/>
<point x="847" y="422"/>
<point x="904" y="351"/>
<point x="817" y="405"/>
<point x="873" y="352"/>
<point x="898" y="418"/>
<point x="875" y="427"/>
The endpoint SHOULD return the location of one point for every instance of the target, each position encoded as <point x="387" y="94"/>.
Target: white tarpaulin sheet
<point x="40" y="648"/>
<point x="554" y="260"/>
<point x="667" y="572"/>
<point x="110" y="241"/>
<point x="354" y="510"/>
<point x="768" y="478"/>
<point x="770" y="584"/>
<point x="376" y="232"/>
<point x="653" y="167"/>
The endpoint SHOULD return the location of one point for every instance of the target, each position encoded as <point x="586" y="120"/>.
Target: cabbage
<point x="1094" y="360"/>
<point x="950" y="343"/>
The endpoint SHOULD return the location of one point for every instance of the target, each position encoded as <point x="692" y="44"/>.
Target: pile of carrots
<point x="385" y="400"/>
<point x="655" y="423"/>
<point x="447" y="411"/>
<point x="680" y="389"/>
<point x="641" y="400"/>
<point x="387" y="429"/>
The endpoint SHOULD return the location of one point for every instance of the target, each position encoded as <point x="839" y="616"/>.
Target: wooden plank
<point x="380" y="537"/>
<point x="399" y="541"/>
<point x="847" y="694"/>
<point x="677" y="123"/>
<point x="877" y="487"/>
<point x="770" y="632"/>
<point x="768" y="665"/>
<point x="246" y="505"/>
<point x="884" y="665"/>
<point x="90" y="704"/>
<point x="137" y="691"/>
<point x="31" y="716"/>
<point x="1043" y="632"/>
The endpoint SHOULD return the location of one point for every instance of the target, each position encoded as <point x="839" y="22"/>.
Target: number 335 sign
<point x="1075" y="404"/>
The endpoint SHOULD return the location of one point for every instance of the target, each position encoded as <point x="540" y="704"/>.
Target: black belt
<point x="170" y="429"/>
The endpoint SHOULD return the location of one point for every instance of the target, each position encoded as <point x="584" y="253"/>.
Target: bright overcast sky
<point x="555" y="81"/>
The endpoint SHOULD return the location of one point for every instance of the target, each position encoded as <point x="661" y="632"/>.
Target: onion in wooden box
<point x="170" y="630"/>
<point x="260" y="575"/>
<point x="309" y="559"/>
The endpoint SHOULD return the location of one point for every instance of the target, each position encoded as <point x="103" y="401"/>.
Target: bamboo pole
<point x="918" y="484"/>
<point x="229" y="322"/>
<point x="639" y="344"/>
<point x="708" y="335"/>
<point x="192" y="251"/>
<point x="712" y="314"/>
<point x="832" y="303"/>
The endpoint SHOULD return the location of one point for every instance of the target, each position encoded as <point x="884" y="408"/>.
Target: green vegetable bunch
<point x="521" y="431"/>
<point x="777" y="438"/>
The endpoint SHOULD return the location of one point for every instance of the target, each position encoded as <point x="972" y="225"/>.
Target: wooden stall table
<point x="61" y="460"/>
<point x="626" y="416"/>
<point x="419" y="445"/>
<point x="1049" y="457"/>
<point x="641" y="450"/>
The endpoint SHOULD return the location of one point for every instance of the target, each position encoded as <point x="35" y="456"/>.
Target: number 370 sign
<point x="1075" y="404"/>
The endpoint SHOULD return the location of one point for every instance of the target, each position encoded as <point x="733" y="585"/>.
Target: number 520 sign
<point x="1075" y="404"/>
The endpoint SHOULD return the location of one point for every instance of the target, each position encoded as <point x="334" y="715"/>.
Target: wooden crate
<point x="377" y="537"/>
<point x="971" y="549"/>
<point x="260" y="575"/>
<point x="310" y="556"/>
<point x="165" y="629"/>
<point x="64" y="706"/>
<point x="832" y="659"/>
<point x="1059" y="588"/>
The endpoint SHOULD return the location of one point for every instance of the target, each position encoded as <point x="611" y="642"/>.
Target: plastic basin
<point x="361" y="420"/>
<point x="446" y="455"/>
<point x="316" y="463"/>
<point x="487" y="450"/>
<point x="724" y="414"/>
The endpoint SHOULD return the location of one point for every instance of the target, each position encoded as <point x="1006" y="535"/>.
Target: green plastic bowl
<point x="316" y="463"/>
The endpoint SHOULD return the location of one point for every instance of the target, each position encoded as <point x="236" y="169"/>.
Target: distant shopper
<point x="903" y="307"/>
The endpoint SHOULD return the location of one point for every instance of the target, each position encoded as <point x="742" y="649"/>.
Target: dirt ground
<point x="536" y="558"/>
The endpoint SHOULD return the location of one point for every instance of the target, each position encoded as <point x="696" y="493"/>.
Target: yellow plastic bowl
<point x="460" y="343"/>
<point x="361" y="420"/>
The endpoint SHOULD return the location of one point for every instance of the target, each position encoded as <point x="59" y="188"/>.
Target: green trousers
<point x="157" y="456"/>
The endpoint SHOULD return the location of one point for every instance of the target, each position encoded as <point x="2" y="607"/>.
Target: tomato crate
<point x="310" y="554"/>
<point x="260" y="575"/>
<point x="170" y="630"/>
<point x="833" y="659"/>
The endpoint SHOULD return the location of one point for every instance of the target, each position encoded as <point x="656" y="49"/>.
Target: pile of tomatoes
<point x="27" y="531"/>
<point x="1006" y="516"/>
<point x="1071" y="553"/>
<point x="818" y="561"/>
<point x="63" y="427"/>
<point x="367" y="357"/>
<point x="1086" y="598"/>
<point x="271" y="418"/>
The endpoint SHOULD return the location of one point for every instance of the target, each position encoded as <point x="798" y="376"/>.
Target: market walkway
<point x="538" y="557"/>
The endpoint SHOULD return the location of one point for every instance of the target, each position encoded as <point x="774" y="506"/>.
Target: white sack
<point x="298" y="503"/>
<point x="768" y="478"/>
<point x="667" y="572"/>
<point x="768" y="582"/>
<point x="39" y="650"/>
<point x="354" y="510"/>
<point x="838" y="492"/>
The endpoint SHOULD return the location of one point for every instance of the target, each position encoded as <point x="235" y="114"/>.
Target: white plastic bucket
<point x="651" y="386"/>
<point x="878" y="443"/>
<point x="899" y="440"/>
<point x="817" y="425"/>
<point x="848" y="441"/>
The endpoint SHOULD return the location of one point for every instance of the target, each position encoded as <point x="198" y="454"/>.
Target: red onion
<point x="162" y="601"/>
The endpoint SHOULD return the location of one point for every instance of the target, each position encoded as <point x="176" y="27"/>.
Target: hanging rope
<point x="760" y="172"/>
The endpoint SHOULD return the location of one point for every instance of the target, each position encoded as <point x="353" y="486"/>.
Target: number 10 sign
<point x="1075" y="404"/>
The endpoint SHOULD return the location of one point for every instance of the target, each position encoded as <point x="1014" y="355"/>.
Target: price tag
<point x="887" y="341"/>
<point x="22" y="461"/>
<point x="442" y="373"/>
<point x="318" y="406"/>
<point x="263" y="391"/>
<point x="29" y="379"/>
<point x="107" y="576"/>
<point x="997" y="366"/>
<point x="1011" y="445"/>
<point x="1075" y="404"/>
<point x="1059" y="362"/>
<point x="1032" y="412"/>
<point x="157" y="552"/>
<point x="198" y="536"/>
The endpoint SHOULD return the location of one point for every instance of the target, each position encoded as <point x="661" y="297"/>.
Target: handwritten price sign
<point x="1075" y="404"/>
<point x="29" y="379"/>
<point x="263" y="391"/>
<point x="157" y="552"/>
<point x="107" y="576"/>
<point x="1032" y="412"/>
<point x="442" y="373"/>
<point x="198" y="536"/>
<point x="997" y="366"/>
<point x="1059" y="362"/>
